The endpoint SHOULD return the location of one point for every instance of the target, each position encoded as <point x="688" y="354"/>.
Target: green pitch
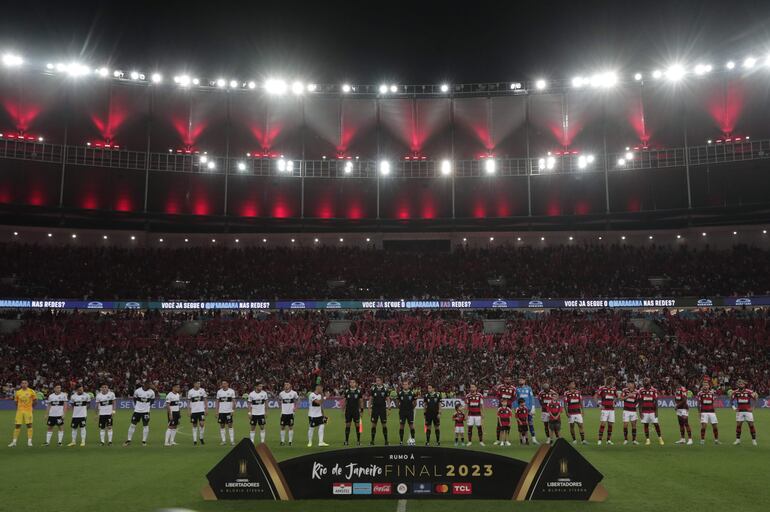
<point x="671" y="477"/>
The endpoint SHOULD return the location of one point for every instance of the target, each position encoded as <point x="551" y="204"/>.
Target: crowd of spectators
<point x="447" y="349"/>
<point x="256" y="273"/>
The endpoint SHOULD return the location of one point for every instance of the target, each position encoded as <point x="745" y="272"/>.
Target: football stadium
<point x="441" y="257"/>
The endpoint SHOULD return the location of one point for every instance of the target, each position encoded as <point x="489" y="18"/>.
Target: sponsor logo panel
<point x="463" y="488"/>
<point x="342" y="488"/>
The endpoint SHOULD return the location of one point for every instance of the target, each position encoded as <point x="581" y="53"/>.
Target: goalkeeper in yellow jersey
<point x="25" y="399"/>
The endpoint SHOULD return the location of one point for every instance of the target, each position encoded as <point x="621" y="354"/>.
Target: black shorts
<point x="105" y="421"/>
<point x="78" y="423"/>
<point x="257" y="419"/>
<point x="405" y="416"/>
<point x="224" y="418"/>
<point x="55" y="421"/>
<point x="173" y="421"/>
<point x="195" y="417"/>
<point x="554" y="425"/>
<point x="523" y="429"/>
<point x="432" y="418"/>
<point x="380" y="414"/>
<point x="505" y="428"/>
<point x="287" y="420"/>
<point x="316" y="421"/>
<point x="144" y="417"/>
<point x="354" y="415"/>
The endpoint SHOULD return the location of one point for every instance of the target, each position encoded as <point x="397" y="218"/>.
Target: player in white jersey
<point x="315" y="414"/>
<point x="79" y="400"/>
<point x="143" y="398"/>
<point x="172" y="406"/>
<point x="225" y="410"/>
<point x="105" y="407"/>
<point x="289" y="399"/>
<point x="199" y="408"/>
<point x="57" y="407"/>
<point x="258" y="416"/>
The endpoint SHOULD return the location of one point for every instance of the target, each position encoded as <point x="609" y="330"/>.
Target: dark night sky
<point x="366" y="42"/>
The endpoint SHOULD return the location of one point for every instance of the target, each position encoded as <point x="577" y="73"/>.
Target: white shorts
<point x="708" y="417"/>
<point x="545" y="416"/>
<point x="459" y="430"/>
<point x="744" y="416"/>
<point x="629" y="416"/>
<point x="607" y="416"/>
<point x="649" y="417"/>
<point x="683" y="413"/>
<point x="575" y="418"/>
<point x="474" y="421"/>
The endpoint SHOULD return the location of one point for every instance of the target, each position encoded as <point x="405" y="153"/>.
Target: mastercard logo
<point x="441" y="488"/>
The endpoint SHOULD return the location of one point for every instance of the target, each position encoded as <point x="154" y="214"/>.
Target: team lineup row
<point x="516" y="403"/>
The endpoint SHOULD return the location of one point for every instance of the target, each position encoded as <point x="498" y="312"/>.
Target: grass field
<point x="669" y="477"/>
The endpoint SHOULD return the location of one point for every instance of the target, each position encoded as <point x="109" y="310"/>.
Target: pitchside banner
<point x="557" y="472"/>
<point x="604" y="303"/>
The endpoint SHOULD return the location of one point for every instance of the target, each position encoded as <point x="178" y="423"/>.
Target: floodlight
<point x="577" y="82"/>
<point x="134" y="75"/>
<point x="675" y="72"/>
<point x="312" y="87"/>
<point x="637" y="76"/>
<point x="730" y="64"/>
<point x="540" y="84"/>
<point x="211" y="165"/>
<point x="550" y="163"/>
<point x="281" y="164"/>
<point x="252" y="84"/>
<point x="490" y="166"/>
<point x="384" y="167"/>
<point x="346" y="88"/>
<point x="590" y="159"/>
<point x="541" y="164"/>
<point x="103" y="72"/>
<point x="446" y="167"/>
<point x="383" y="89"/>
<point x="621" y="162"/>
<point x="233" y="84"/>
<point x="297" y="88"/>
<point x="348" y="167"/>
<point x="275" y="86"/>
<point x="204" y="159"/>
<point x="11" y="60"/>
<point x="581" y="162"/>
<point x="629" y="155"/>
<point x="241" y="166"/>
<point x="221" y="82"/>
<point x="749" y="62"/>
<point x="657" y="74"/>
<point x="393" y="88"/>
<point x="444" y="88"/>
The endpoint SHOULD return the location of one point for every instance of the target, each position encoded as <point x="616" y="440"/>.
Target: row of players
<point x="637" y="403"/>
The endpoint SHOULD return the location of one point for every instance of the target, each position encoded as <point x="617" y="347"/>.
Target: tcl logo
<point x="386" y="488"/>
<point x="462" y="488"/>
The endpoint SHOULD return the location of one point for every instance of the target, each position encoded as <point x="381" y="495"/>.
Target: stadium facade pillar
<point x="148" y="128"/>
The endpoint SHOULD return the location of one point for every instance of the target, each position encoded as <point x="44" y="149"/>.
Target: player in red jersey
<point x="682" y="413"/>
<point x="606" y="396"/>
<point x="473" y="404"/>
<point x="522" y="421"/>
<point x="648" y="405"/>
<point x="459" y="419"/>
<point x="554" y="416"/>
<point x="706" y="398"/>
<point x="742" y="398"/>
<point x="630" y="397"/>
<point x="505" y="391"/>
<point x="544" y="396"/>
<point x="504" y="416"/>
<point x="574" y="400"/>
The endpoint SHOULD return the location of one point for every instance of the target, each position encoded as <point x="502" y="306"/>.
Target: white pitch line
<point x="401" y="506"/>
